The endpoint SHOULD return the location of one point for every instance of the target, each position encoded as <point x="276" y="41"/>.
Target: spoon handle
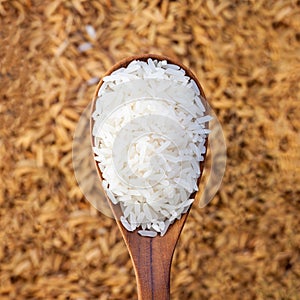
<point x="152" y="265"/>
<point x="152" y="259"/>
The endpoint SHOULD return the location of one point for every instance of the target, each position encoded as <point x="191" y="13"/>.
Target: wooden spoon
<point x="151" y="257"/>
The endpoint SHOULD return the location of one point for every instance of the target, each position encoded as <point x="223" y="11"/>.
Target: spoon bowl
<point x="151" y="256"/>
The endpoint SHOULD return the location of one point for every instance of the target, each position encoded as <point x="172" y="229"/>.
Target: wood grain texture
<point x="151" y="257"/>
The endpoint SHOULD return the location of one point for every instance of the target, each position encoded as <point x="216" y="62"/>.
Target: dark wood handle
<point x="152" y="267"/>
<point x="152" y="259"/>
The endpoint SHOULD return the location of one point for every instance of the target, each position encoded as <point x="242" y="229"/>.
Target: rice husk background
<point x="246" y="54"/>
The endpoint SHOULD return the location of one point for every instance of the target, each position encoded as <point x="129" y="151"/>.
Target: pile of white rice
<point x="149" y="138"/>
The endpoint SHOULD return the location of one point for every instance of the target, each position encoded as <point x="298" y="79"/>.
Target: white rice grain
<point x="84" y="47"/>
<point x="148" y="233"/>
<point x="125" y="223"/>
<point x="167" y="224"/>
<point x="90" y="30"/>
